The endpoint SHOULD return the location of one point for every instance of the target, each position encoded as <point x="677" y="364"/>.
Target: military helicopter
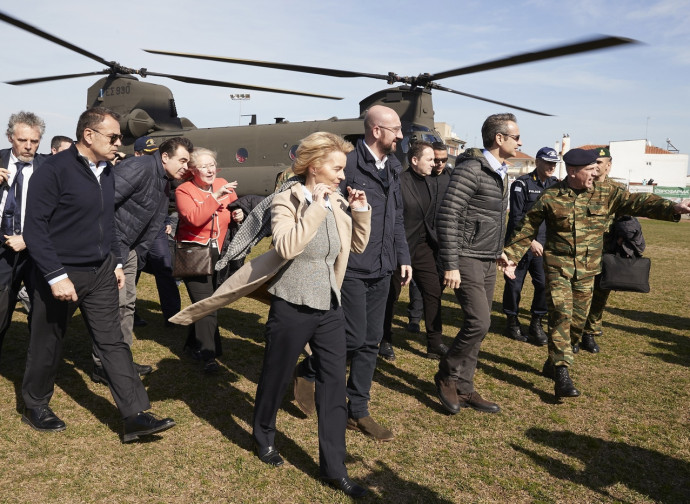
<point x="256" y="154"/>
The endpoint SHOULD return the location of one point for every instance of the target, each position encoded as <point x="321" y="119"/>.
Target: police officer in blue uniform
<point x="523" y="194"/>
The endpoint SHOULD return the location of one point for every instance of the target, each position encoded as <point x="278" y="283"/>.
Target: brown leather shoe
<point x="475" y="401"/>
<point x="446" y="388"/>
<point x="367" y="426"/>
<point x="303" y="390"/>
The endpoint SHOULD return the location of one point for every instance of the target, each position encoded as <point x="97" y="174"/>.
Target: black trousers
<point x="513" y="288"/>
<point x="288" y="329"/>
<point x="15" y="268"/>
<point x="158" y="262"/>
<point x="364" y="308"/>
<point x="426" y="275"/>
<point x="204" y="334"/>
<point x="98" y="301"/>
<point x="475" y="294"/>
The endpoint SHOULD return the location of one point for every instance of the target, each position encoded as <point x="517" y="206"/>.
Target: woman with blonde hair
<point x="314" y="228"/>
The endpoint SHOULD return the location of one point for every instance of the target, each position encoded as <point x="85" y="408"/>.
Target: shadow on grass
<point x="655" y="476"/>
<point x="504" y="376"/>
<point x="394" y="489"/>
<point x="649" y="317"/>
<point x="673" y="348"/>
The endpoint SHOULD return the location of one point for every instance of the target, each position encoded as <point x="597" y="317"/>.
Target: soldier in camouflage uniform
<point x="600" y="296"/>
<point x="577" y="212"/>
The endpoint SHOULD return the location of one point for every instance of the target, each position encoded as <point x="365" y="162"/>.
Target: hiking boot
<point x="513" y="329"/>
<point x="588" y="343"/>
<point x="564" y="385"/>
<point x="537" y="336"/>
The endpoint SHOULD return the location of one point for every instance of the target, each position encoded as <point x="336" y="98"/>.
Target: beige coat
<point x="294" y="223"/>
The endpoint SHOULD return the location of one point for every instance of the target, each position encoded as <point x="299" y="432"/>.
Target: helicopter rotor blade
<point x="32" y="29"/>
<point x="268" y="64"/>
<point x="528" y="57"/>
<point x="449" y="90"/>
<point x="54" y="77"/>
<point x="210" y="82"/>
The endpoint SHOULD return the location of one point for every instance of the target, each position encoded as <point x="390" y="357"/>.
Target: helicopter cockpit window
<point x="242" y="155"/>
<point x="293" y="152"/>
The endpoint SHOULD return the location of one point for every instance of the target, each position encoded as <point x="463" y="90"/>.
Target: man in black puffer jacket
<point x="142" y="186"/>
<point x="471" y="227"/>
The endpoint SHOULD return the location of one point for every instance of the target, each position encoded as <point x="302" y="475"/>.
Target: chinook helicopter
<point x="256" y="154"/>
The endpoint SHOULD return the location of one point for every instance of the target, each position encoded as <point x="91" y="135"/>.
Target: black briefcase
<point x="629" y="274"/>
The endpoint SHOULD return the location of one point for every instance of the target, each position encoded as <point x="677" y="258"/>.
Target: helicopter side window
<point x="293" y="152"/>
<point x="242" y="155"/>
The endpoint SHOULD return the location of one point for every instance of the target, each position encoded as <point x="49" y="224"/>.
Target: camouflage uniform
<point x="575" y="224"/>
<point x="600" y="296"/>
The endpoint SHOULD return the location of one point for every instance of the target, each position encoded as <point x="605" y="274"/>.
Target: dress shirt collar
<point x="500" y="168"/>
<point x="380" y="163"/>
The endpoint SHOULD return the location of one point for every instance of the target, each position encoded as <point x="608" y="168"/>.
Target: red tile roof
<point x="649" y="149"/>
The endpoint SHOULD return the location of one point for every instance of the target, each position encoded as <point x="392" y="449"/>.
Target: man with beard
<point x="523" y="194"/>
<point x="17" y="164"/>
<point x="470" y="228"/>
<point x="420" y="202"/>
<point x="71" y="236"/>
<point x="373" y="168"/>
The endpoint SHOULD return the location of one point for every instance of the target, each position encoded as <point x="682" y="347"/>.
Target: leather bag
<point x="192" y="259"/>
<point x="630" y="274"/>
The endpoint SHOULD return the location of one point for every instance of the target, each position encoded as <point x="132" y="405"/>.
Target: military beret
<point x="580" y="157"/>
<point x="603" y="152"/>
<point x="146" y="144"/>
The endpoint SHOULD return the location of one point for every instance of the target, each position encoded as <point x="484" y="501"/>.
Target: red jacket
<point x="196" y="209"/>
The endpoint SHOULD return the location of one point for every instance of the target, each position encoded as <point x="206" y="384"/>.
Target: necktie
<point x="12" y="216"/>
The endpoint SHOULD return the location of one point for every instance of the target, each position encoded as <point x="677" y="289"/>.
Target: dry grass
<point x="624" y="440"/>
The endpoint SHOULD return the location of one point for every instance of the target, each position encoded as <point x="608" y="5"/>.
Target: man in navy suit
<point x="17" y="164"/>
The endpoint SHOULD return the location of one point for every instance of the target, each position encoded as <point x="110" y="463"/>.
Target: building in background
<point x="452" y="141"/>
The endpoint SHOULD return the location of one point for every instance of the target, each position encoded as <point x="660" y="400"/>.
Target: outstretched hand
<point x="682" y="208"/>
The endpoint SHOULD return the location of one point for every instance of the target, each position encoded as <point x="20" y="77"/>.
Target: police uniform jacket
<point x="524" y="192"/>
<point x="576" y="221"/>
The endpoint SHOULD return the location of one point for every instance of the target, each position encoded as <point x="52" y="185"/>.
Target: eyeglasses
<point x="514" y="137"/>
<point x="112" y="138"/>
<point x="440" y="160"/>
<point x="395" y="130"/>
<point x="211" y="166"/>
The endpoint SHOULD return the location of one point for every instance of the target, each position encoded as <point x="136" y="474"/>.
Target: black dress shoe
<point x="42" y="419"/>
<point x="347" y="486"/>
<point x="386" y="351"/>
<point x="270" y="456"/>
<point x="144" y="424"/>
<point x="412" y="327"/>
<point x="98" y="375"/>
<point x="210" y="366"/>
<point x="589" y="343"/>
<point x="142" y="369"/>
<point x="436" y="352"/>
<point x="138" y="321"/>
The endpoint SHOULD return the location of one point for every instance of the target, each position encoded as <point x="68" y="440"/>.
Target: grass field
<point x="626" y="439"/>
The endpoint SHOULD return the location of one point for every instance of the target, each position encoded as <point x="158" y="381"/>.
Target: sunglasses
<point x="112" y="138"/>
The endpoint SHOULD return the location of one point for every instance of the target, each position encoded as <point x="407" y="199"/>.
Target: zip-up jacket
<point x="387" y="246"/>
<point x="70" y="221"/>
<point x="472" y="218"/>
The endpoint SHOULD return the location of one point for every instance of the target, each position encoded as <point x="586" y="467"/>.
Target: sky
<point x="633" y="92"/>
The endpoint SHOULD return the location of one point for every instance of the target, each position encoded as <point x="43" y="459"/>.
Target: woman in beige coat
<point x="314" y="231"/>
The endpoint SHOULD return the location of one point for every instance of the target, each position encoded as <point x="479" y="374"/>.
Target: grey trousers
<point x="475" y="294"/>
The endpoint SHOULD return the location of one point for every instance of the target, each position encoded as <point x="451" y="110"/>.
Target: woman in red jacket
<point x="202" y="204"/>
